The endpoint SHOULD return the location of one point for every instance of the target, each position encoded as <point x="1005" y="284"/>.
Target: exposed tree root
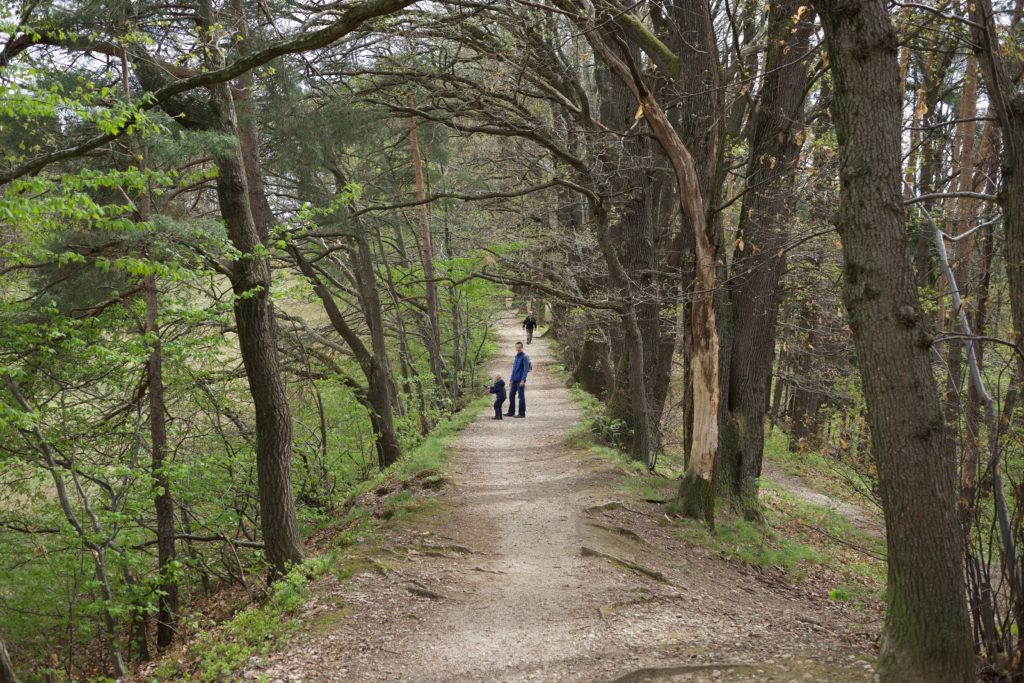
<point x="628" y="564"/>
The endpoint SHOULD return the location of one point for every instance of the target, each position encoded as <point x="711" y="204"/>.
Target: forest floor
<point x="534" y="564"/>
<point x="867" y="520"/>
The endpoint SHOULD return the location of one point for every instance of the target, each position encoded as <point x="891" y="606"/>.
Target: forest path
<point x="867" y="520"/>
<point x="532" y="568"/>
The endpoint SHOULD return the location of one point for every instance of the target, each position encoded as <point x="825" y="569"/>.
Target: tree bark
<point x="7" y="673"/>
<point x="927" y="635"/>
<point x="588" y="373"/>
<point x="688" y="29"/>
<point x="972" y="411"/>
<point x="695" y="497"/>
<point x="630" y="165"/>
<point x="1008" y="106"/>
<point x="433" y="337"/>
<point x="958" y="217"/>
<point x="251" y="282"/>
<point x="759" y="259"/>
<point x="167" y="603"/>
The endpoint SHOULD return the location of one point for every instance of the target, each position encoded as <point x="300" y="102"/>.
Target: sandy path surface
<point x="530" y="568"/>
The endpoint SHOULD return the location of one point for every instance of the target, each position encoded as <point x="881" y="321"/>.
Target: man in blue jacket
<point x="520" y="368"/>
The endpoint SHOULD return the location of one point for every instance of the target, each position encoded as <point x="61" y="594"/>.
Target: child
<point x="498" y="389"/>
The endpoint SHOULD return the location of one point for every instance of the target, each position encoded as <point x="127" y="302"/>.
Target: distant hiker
<point x="498" y="389"/>
<point x="529" y="324"/>
<point x="520" y="368"/>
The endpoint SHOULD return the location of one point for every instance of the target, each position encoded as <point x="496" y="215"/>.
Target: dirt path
<point x="531" y="568"/>
<point x="866" y="520"/>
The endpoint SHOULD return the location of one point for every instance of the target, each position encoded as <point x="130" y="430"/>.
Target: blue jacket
<point x="520" y="368"/>
<point x="498" y="389"/>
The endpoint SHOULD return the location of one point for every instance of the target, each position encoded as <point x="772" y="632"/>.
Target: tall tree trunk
<point x="687" y="28"/>
<point x="695" y="497"/>
<point x="758" y="260"/>
<point x="433" y="336"/>
<point x="257" y="334"/>
<point x="927" y="635"/>
<point x="373" y="311"/>
<point x="987" y="168"/>
<point x="933" y="75"/>
<point x="413" y="383"/>
<point x="248" y="131"/>
<point x="588" y="372"/>
<point x="959" y="219"/>
<point x="628" y="162"/>
<point x="167" y="603"/>
<point x="378" y="395"/>
<point x="972" y="410"/>
<point x="1008" y="106"/>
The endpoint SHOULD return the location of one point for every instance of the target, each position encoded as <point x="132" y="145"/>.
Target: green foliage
<point x="222" y="650"/>
<point x="256" y="630"/>
<point x="78" y="241"/>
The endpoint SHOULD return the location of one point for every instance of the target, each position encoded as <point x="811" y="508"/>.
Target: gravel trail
<point x="531" y="567"/>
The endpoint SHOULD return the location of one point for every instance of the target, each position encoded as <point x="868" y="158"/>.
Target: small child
<point x="498" y="389"/>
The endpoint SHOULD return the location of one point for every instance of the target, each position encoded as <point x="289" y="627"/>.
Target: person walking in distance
<point x="529" y="324"/>
<point x="520" y="368"/>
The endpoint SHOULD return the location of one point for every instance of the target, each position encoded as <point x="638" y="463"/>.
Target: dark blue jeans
<point x="497" y="407"/>
<point x="519" y="389"/>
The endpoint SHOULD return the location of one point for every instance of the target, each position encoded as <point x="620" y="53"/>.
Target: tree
<point x="927" y="633"/>
<point x="997" y="67"/>
<point x="167" y="612"/>
<point x="257" y="335"/>
<point x="7" y="673"/>
<point x="776" y="138"/>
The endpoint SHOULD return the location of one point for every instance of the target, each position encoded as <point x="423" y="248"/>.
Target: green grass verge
<point x="798" y="538"/>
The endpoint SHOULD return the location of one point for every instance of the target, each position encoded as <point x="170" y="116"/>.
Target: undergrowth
<point x="221" y="651"/>
<point x="825" y="473"/>
<point x="429" y="455"/>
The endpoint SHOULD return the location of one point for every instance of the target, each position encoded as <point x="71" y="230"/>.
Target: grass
<point x="430" y="455"/>
<point x="823" y="472"/>
<point x="799" y="539"/>
<point x="752" y="544"/>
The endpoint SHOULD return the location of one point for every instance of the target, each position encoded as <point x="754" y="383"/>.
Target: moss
<point x="351" y="567"/>
<point x="695" y="500"/>
<point x="324" y="622"/>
